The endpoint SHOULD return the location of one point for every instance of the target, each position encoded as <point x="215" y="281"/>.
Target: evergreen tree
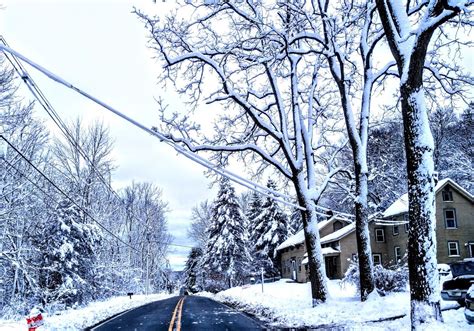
<point x="226" y="257"/>
<point x="295" y="223"/>
<point x="254" y="209"/>
<point x="192" y="268"/>
<point x="68" y="246"/>
<point x="271" y="229"/>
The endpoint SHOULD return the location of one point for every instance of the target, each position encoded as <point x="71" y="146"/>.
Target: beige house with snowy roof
<point x="388" y="235"/>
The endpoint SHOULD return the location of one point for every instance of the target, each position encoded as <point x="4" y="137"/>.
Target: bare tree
<point x="22" y="207"/>
<point x="84" y="160"/>
<point x="201" y="220"/>
<point x="275" y="113"/>
<point x="347" y="34"/>
<point x="146" y="229"/>
<point x="409" y="28"/>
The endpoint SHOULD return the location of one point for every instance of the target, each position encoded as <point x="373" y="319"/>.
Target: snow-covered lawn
<point x="78" y="319"/>
<point x="288" y="304"/>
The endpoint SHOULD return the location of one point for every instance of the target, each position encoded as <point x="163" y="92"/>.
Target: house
<point x="388" y="235"/>
<point x="292" y="252"/>
<point x="454" y="223"/>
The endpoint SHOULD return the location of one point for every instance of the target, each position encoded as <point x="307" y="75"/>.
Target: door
<point x="293" y="269"/>
<point x="471" y="249"/>
<point x="331" y="263"/>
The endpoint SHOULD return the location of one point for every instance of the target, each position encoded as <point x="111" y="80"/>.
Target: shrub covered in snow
<point x="387" y="279"/>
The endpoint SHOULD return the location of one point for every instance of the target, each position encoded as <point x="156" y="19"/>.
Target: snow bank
<point x="288" y="304"/>
<point x="453" y="320"/>
<point x="77" y="319"/>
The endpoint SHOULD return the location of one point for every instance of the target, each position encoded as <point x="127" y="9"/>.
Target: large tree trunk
<point x="422" y="262"/>
<point x="317" y="270"/>
<point x="367" y="282"/>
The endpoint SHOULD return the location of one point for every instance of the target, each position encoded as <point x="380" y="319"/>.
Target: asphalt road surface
<point x="180" y="313"/>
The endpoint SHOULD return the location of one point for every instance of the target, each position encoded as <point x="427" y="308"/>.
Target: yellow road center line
<point x="174" y="315"/>
<point x="178" y="323"/>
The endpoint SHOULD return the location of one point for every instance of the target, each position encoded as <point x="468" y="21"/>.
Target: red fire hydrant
<point x="34" y="320"/>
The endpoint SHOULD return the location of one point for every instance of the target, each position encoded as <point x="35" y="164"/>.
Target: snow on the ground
<point x="453" y="320"/>
<point x="78" y="319"/>
<point x="288" y="304"/>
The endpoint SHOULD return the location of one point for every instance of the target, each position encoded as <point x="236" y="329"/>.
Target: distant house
<point x="388" y="235"/>
<point x="294" y="260"/>
<point x="454" y="223"/>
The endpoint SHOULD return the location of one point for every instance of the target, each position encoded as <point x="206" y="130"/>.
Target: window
<point x="453" y="248"/>
<point x="450" y="219"/>
<point x="395" y="230"/>
<point x="379" y="235"/>
<point x="377" y="258"/>
<point x="406" y="219"/>
<point x="447" y="195"/>
<point x="398" y="254"/>
<point x="471" y="249"/>
<point x="354" y="257"/>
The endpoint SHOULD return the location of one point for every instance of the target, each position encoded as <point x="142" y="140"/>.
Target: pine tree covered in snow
<point x="254" y="209"/>
<point x="226" y="258"/>
<point x="192" y="270"/>
<point x="68" y="246"/>
<point x="295" y="222"/>
<point x="270" y="229"/>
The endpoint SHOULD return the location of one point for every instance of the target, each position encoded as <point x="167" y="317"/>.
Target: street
<point x="181" y="313"/>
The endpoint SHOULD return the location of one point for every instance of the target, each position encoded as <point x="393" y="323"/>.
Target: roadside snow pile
<point x="453" y="320"/>
<point x="78" y="319"/>
<point x="288" y="304"/>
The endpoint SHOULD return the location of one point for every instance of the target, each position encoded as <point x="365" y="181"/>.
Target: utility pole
<point x="148" y="270"/>
<point x="148" y="265"/>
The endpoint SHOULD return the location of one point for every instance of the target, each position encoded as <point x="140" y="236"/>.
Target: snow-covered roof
<point x="325" y="251"/>
<point x="323" y="224"/>
<point x="400" y="206"/>
<point x="336" y="235"/>
<point x="298" y="237"/>
<point x="329" y="250"/>
<point x="294" y="240"/>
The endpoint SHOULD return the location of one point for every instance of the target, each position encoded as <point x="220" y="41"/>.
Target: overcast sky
<point x="100" y="46"/>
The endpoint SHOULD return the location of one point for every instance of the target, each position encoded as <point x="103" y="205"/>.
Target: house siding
<point x="294" y="254"/>
<point x="328" y="229"/>
<point x="348" y="246"/>
<point x="400" y="240"/>
<point x="463" y="234"/>
<point x="379" y="247"/>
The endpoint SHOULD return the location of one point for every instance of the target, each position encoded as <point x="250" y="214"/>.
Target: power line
<point x="180" y="149"/>
<point x="66" y="195"/>
<point x="62" y="192"/>
<point x="22" y="174"/>
<point x="194" y="157"/>
<point x="41" y="98"/>
<point x="44" y="102"/>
